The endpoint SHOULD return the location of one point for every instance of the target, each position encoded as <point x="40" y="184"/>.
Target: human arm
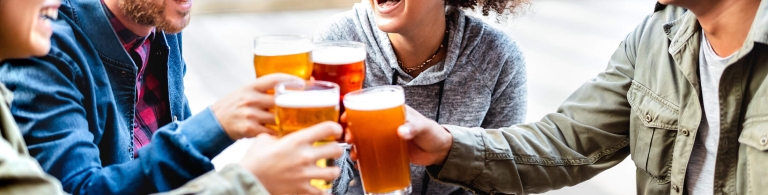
<point x="588" y="134"/>
<point x="282" y="166"/>
<point x="65" y="130"/>
<point x="19" y="172"/>
<point x="509" y="101"/>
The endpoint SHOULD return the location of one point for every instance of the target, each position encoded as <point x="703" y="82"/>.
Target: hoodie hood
<point x="458" y="41"/>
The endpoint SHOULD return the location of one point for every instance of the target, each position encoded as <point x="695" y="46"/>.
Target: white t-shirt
<point x="700" y="176"/>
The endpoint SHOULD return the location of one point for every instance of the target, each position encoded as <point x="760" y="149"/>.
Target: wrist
<point x="218" y="114"/>
<point x="446" y="140"/>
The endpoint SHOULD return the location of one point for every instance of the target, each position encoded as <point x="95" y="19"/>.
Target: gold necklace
<point x="419" y="67"/>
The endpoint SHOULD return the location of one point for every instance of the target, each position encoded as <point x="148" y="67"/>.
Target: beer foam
<point x="338" y="55"/>
<point x="376" y="99"/>
<point x="307" y="99"/>
<point x="277" y="49"/>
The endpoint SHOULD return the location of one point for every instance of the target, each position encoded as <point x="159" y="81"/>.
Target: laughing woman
<point x="455" y="68"/>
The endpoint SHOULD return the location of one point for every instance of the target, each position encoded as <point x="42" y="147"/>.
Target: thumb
<point x="317" y="132"/>
<point x="268" y="82"/>
<point x="407" y="132"/>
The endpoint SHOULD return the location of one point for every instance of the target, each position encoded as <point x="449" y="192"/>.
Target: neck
<point x="726" y="23"/>
<point x="136" y="28"/>
<point x="415" y="45"/>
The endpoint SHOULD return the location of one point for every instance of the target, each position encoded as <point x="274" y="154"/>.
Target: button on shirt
<point x="152" y="108"/>
<point x="700" y="176"/>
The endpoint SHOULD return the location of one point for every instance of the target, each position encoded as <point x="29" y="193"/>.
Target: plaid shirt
<point x="152" y="107"/>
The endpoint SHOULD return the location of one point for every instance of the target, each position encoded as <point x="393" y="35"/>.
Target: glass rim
<point x="282" y="86"/>
<point x="396" y="88"/>
<point x="354" y="44"/>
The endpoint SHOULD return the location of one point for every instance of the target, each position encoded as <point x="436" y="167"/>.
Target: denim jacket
<point x="75" y="109"/>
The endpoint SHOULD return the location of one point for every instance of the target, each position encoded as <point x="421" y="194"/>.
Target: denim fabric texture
<point x="75" y="109"/>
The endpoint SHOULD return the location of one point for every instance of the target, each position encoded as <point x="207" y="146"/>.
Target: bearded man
<point x="105" y="112"/>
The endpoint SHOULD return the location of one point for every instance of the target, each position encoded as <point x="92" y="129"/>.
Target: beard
<point x="150" y="13"/>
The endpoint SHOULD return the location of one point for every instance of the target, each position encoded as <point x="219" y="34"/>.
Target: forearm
<point x="232" y="180"/>
<point x="588" y="134"/>
<point x="22" y="175"/>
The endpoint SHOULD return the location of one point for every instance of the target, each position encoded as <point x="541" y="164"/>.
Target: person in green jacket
<point x="685" y="96"/>
<point x="25" y="31"/>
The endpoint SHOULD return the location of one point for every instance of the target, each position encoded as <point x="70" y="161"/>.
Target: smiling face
<point x="170" y="16"/>
<point x="394" y="16"/>
<point x="25" y="27"/>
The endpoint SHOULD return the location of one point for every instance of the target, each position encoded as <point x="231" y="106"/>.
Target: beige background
<point x="229" y="6"/>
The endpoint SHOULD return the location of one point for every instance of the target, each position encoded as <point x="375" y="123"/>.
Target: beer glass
<point x="288" y="54"/>
<point x="301" y="105"/>
<point x="373" y="116"/>
<point x="341" y="62"/>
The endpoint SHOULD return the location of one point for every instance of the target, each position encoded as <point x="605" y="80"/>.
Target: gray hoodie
<point x="481" y="83"/>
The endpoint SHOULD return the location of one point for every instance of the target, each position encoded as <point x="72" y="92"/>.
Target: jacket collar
<point x="682" y="29"/>
<point x="89" y="16"/>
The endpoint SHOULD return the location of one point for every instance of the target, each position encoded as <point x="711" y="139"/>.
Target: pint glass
<point x="373" y="116"/>
<point x="341" y="62"/>
<point x="301" y="105"/>
<point x="288" y="54"/>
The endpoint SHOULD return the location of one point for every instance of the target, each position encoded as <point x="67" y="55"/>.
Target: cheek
<point x="17" y="27"/>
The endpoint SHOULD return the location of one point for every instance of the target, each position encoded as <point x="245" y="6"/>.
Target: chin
<point x="389" y="25"/>
<point x="41" y="49"/>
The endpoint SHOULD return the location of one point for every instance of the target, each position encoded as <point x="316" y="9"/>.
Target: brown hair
<point x="500" y="7"/>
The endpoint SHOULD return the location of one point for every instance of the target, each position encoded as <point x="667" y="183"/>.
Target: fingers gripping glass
<point x="300" y="105"/>
<point x="373" y="116"/>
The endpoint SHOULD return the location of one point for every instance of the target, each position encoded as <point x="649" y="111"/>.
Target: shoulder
<point x="69" y="49"/>
<point x="659" y="24"/>
<point x="492" y="41"/>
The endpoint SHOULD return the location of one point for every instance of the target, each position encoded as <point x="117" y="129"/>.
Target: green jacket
<point x="21" y="174"/>
<point x="646" y="104"/>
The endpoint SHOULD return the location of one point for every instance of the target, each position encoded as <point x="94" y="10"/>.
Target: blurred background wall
<point x="229" y="6"/>
<point x="566" y="42"/>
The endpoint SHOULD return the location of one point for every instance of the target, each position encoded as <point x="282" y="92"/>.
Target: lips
<point x="386" y="6"/>
<point x="184" y="5"/>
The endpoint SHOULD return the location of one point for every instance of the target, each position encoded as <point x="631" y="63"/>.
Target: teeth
<point x="49" y="13"/>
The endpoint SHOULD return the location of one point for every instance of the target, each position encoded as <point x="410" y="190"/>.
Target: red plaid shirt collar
<point x="151" y="109"/>
<point x="130" y="41"/>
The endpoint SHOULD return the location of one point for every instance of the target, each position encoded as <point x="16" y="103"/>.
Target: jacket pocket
<point x="754" y="140"/>
<point x="654" y="123"/>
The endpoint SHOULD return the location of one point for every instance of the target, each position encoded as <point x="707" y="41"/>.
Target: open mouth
<point x="387" y="3"/>
<point x="386" y="6"/>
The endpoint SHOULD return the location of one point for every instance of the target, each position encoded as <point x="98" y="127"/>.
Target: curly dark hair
<point x="500" y="7"/>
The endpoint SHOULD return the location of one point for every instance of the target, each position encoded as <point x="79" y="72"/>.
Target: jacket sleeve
<point x="232" y="180"/>
<point x="510" y="97"/>
<point x="19" y="172"/>
<point x="588" y="134"/>
<point x="51" y="109"/>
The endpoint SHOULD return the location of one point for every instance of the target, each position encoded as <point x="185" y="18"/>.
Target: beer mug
<point x="299" y="105"/>
<point x="373" y="116"/>
<point x="288" y="54"/>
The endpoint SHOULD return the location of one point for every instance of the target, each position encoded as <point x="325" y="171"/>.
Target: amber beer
<point x="373" y="116"/>
<point x="341" y="62"/>
<point x="288" y="54"/>
<point x="301" y="105"/>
